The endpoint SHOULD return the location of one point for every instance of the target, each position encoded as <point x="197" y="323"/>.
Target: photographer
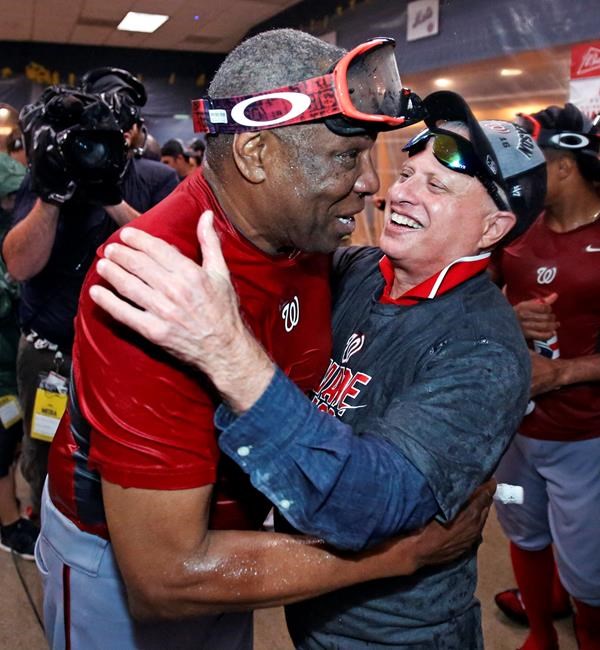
<point x="84" y="183"/>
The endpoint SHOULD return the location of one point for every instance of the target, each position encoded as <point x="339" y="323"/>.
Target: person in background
<point x="423" y="343"/>
<point x="176" y="156"/>
<point x="552" y="277"/>
<point x="15" y="146"/>
<point x="57" y="226"/>
<point x="150" y="539"/>
<point x="151" y="148"/>
<point x="197" y="147"/>
<point x="17" y="533"/>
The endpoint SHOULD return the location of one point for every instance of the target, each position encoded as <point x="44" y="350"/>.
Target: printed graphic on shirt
<point x="290" y="312"/>
<point x="546" y="274"/>
<point x="340" y="387"/>
<point x="354" y="344"/>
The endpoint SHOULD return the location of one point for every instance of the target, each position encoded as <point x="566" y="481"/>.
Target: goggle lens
<point x="374" y="84"/>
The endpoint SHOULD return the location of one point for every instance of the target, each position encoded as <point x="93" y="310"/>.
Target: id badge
<point x="50" y="403"/>
<point x="10" y="410"/>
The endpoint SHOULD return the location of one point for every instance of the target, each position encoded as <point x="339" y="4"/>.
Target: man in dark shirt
<point x="50" y="248"/>
<point x="424" y="343"/>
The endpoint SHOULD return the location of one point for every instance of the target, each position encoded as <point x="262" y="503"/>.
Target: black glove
<point x="49" y="177"/>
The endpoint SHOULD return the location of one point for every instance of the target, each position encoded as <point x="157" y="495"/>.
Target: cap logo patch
<point x="526" y="145"/>
<point x="489" y="161"/>
<point x="516" y="191"/>
<point x="499" y="127"/>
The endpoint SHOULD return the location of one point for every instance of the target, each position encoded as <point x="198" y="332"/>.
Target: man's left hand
<point x="189" y="310"/>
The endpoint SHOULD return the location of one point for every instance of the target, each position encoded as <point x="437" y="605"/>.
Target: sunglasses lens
<point x="374" y="82"/>
<point x="448" y="151"/>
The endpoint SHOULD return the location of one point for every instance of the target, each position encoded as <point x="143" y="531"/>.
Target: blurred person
<point x="423" y="344"/>
<point x="552" y="277"/>
<point x="197" y="148"/>
<point x="176" y="156"/>
<point x="17" y="534"/>
<point x="149" y="539"/>
<point x="151" y="148"/>
<point x="70" y="202"/>
<point x="15" y="146"/>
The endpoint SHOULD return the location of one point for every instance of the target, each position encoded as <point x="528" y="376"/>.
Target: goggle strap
<point x="270" y="110"/>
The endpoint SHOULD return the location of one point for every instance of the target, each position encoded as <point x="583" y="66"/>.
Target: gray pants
<point x="34" y="457"/>
<point x="85" y="603"/>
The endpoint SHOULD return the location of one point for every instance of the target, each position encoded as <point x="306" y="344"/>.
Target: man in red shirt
<point x="552" y="276"/>
<point x="140" y="513"/>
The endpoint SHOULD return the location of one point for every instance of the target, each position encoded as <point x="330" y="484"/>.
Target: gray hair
<point x="266" y="61"/>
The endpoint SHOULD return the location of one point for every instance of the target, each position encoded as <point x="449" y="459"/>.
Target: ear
<point x="496" y="225"/>
<point x="249" y="155"/>
<point x="565" y="165"/>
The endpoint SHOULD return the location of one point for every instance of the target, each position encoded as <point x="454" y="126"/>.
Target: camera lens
<point x="89" y="152"/>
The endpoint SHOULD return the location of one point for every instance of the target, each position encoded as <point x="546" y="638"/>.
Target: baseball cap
<point x="11" y="175"/>
<point x="175" y="147"/>
<point x="508" y="153"/>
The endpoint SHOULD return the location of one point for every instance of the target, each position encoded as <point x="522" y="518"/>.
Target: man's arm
<point x="549" y="374"/>
<point x="122" y="213"/>
<point x="27" y="246"/>
<point x="198" y="321"/>
<point x="174" y="567"/>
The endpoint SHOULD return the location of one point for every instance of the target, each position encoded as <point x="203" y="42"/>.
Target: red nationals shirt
<point x="537" y="264"/>
<point x="139" y="418"/>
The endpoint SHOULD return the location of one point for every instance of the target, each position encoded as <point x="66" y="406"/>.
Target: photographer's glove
<point x="49" y="177"/>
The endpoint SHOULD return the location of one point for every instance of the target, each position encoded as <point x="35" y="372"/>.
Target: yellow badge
<point x="50" y="404"/>
<point x="10" y="410"/>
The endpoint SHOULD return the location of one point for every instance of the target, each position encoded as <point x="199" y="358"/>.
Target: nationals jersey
<point x="138" y="417"/>
<point x="537" y="264"/>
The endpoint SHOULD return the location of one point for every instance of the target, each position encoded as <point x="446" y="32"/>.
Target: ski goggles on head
<point x="458" y="154"/>
<point x="362" y="92"/>
<point x="569" y="140"/>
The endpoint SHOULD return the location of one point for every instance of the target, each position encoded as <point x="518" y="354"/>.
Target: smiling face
<point x="318" y="183"/>
<point x="435" y="216"/>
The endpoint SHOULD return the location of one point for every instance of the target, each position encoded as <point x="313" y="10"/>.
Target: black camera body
<point x="74" y="144"/>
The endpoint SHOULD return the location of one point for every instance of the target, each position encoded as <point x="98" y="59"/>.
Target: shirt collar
<point x="439" y="283"/>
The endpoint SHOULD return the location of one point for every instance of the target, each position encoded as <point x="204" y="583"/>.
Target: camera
<point x="74" y="144"/>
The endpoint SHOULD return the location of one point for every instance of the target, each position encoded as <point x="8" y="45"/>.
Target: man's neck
<point x="239" y="208"/>
<point x="579" y="206"/>
<point x="405" y="280"/>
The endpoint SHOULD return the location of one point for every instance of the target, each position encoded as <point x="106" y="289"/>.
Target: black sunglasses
<point x="456" y="153"/>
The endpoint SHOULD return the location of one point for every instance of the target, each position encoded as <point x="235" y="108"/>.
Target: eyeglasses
<point x="457" y="153"/>
<point x="364" y="85"/>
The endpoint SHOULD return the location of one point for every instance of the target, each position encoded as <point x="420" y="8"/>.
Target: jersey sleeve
<point x="350" y="490"/>
<point x="151" y="416"/>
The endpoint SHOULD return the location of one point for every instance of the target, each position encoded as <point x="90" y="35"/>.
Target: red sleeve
<point x="151" y="417"/>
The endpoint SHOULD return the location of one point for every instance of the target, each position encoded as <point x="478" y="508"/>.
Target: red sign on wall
<point x="585" y="60"/>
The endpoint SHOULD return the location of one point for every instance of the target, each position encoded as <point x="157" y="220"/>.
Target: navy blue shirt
<point x="49" y="299"/>
<point x="439" y="386"/>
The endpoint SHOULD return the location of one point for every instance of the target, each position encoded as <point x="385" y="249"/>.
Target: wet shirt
<point x="537" y="264"/>
<point x="49" y="300"/>
<point x="139" y="418"/>
<point x="443" y="383"/>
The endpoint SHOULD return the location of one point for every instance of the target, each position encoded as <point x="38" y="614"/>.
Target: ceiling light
<point x="443" y="83"/>
<point x="510" y="72"/>
<point x="137" y="22"/>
